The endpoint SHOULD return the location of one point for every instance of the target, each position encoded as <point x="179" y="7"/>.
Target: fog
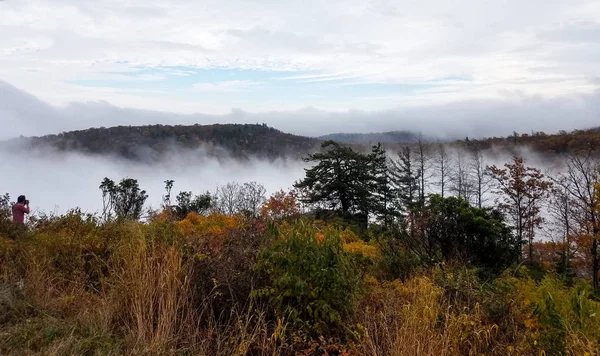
<point x="56" y="182"/>
<point x="24" y="114"/>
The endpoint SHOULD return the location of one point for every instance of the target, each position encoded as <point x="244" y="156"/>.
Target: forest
<point x="148" y="143"/>
<point x="242" y="141"/>
<point x="428" y="249"/>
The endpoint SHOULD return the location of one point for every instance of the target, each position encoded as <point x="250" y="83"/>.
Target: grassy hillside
<point x="275" y="284"/>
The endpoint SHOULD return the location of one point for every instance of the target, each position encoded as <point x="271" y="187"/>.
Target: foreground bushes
<point x="233" y="285"/>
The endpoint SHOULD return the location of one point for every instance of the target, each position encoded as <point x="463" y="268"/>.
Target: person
<point x="20" y="209"/>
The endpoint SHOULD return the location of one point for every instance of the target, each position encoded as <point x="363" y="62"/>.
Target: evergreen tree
<point x="330" y="180"/>
<point x="348" y="181"/>
<point x="404" y="178"/>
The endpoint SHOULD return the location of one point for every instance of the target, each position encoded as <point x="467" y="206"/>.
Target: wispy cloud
<point x="226" y="86"/>
<point x="307" y="48"/>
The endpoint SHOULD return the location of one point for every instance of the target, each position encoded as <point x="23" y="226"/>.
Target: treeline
<point x="450" y="203"/>
<point x="150" y="142"/>
<point x="422" y="251"/>
<point x="551" y="144"/>
<point x="443" y="204"/>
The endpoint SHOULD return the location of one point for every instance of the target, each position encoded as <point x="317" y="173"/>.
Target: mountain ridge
<point x="389" y="137"/>
<point x="149" y="142"/>
<point x="244" y="141"/>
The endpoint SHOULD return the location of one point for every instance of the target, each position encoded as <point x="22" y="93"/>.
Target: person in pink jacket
<point x="20" y="209"/>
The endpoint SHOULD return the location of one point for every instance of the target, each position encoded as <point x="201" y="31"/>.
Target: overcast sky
<point x="310" y="67"/>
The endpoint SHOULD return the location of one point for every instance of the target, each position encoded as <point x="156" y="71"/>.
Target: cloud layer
<point x="24" y="114"/>
<point x="332" y="55"/>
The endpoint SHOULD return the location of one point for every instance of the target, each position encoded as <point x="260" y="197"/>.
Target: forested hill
<point x="540" y="142"/>
<point x="146" y="142"/>
<point x="390" y="137"/>
<point x="241" y="141"/>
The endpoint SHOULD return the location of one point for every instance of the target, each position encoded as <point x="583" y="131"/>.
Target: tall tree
<point x="481" y="177"/>
<point x="423" y="162"/>
<point x="404" y="177"/>
<point x="347" y="181"/>
<point x="381" y="187"/>
<point x="227" y="198"/>
<point x="190" y="203"/>
<point x="522" y="189"/>
<point x="582" y="171"/>
<point x="461" y="184"/>
<point x="252" y="197"/>
<point x="443" y="163"/>
<point x="331" y="179"/>
<point x="561" y="210"/>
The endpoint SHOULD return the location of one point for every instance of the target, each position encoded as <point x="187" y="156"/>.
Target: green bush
<point x="313" y="281"/>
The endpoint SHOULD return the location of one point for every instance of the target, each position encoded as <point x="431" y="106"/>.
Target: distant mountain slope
<point x="242" y="141"/>
<point x="374" y="137"/>
<point x="149" y="142"/>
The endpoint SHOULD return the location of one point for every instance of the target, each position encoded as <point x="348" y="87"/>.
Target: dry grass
<point x="78" y="288"/>
<point x="412" y="319"/>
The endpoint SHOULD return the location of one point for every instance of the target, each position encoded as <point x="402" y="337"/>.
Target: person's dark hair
<point x="21" y="199"/>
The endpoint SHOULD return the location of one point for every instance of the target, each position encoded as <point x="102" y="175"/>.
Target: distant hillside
<point x="373" y="137"/>
<point x="540" y="142"/>
<point x="242" y="141"/>
<point x="150" y="142"/>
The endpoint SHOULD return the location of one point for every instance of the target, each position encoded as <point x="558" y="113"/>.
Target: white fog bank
<point x="56" y="182"/>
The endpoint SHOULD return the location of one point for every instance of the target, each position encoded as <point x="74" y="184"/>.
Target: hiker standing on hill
<point x="20" y="209"/>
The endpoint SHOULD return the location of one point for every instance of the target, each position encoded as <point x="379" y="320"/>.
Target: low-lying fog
<point x="56" y="182"/>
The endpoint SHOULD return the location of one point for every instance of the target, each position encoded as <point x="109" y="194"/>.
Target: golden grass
<point x="122" y="289"/>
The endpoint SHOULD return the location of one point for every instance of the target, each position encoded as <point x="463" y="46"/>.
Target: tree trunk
<point x="595" y="264"/>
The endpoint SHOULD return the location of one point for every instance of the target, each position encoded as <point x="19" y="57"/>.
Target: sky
<point x="455" y="68"/>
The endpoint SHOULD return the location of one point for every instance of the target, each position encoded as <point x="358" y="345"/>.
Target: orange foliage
<point x="546" y="253"/>
<point x="281" y="205"/>
<point x="207" y="233"/>
<point x="213" y="224"/>
<point x="586" y="242"/>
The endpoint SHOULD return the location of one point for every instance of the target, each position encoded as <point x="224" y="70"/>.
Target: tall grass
<point x="74" y="286"/>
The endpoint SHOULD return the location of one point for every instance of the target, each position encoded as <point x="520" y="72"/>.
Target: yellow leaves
<point x="348" y="236"/>
<point x="532" y="323"/>
<point x="370" y="281"/>
<point x="213" y="224"/>
<point x="362" y="248"/>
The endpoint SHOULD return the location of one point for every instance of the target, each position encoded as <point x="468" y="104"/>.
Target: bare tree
<point x="227" y="198"/>
<point x="443" y="163"/>
<point x="561" y="210"/>
<point x="581" y="173"/>
<point x="481" y="177"/>
<point x="460" y="182"/>
<point x="234" y="198"/>
<point x="423" y="163"/>
<point x="252" y="197"/>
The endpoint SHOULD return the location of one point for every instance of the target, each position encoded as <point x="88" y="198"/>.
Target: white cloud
<point x="24" y="114"/>
<point x="537" y="47"/>
<point x="226" y="86"/>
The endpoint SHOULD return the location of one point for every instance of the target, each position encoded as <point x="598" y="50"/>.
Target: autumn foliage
<point x="388" y="271"/>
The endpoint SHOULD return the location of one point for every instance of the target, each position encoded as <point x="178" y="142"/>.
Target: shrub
<point x="313" y="280"/>
<point x="222" y="250"/>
